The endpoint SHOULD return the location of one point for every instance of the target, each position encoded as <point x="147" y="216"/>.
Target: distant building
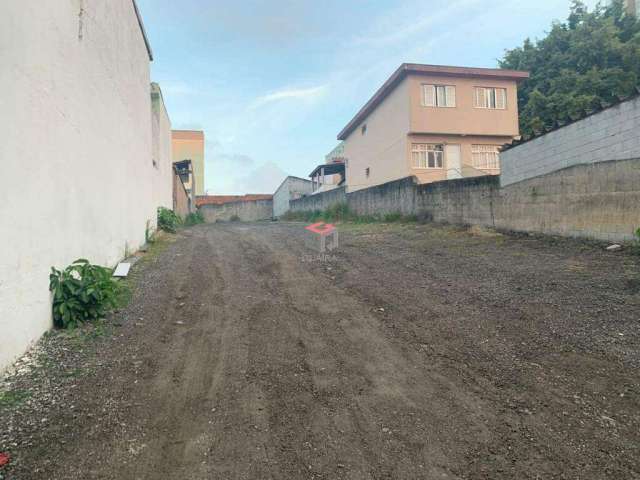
<point x="432" y="122"/>
<point x="291" y="188"/>
<point x="336" y="154"/>
<point x="189" y="145"/>
<point x="183" y="197"/>
<point x="328" y="176"/>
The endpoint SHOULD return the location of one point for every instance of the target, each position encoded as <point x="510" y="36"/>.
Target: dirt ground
<point x="411" y="352"/>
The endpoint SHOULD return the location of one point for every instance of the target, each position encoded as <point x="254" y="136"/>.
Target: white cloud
<point x="289" y="93"/>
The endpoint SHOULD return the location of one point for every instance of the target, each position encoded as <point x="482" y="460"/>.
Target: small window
<point x="490" y="97"/>
<point x="485" y="157"/>
<point x="427" y="155"/>
<point x="367" y="171"/>
<point x="363" y="129"/>
<point x="438" y="95"/>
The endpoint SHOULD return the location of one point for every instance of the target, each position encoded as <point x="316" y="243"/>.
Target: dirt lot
<point x="412" y="352"/>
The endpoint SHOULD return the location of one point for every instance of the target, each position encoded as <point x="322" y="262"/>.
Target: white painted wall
<point x="75" y="152"/>
<point x="162" y="173"/>
<point x="290" y="189"/>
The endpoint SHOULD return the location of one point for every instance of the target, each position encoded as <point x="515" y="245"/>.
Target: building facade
<point x="291" y="188"/>
<point x="189" y="145"/>
<point x="434" y="123"/>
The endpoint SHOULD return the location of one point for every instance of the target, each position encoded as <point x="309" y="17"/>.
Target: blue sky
<point x="272" y="82"/>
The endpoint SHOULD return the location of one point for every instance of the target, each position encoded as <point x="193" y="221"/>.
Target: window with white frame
<point x="485" y="157"/>
<point x="490" y="97"/>
<point x="427" y="155"/>
<point x="438" y="95"/>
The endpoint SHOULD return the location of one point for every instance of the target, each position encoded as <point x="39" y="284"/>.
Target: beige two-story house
<point x="433" y="122"/>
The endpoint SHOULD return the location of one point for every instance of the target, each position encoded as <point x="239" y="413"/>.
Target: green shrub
<point x="168" y="220"/>
<point x="392" y="217"/>
<point x="82" y="292"/>
<point x="194" y="218"/>
<point x="234" y="218"/>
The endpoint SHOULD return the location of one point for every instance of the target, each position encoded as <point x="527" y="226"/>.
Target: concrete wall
<point x="246" y="211"/>
<point x="383" y="147"/>
<point x="76" y="152"/>
<point x="612" y="134"/>
<point x="319" y="201"/>
<point x="290" y="189"/>
<point x="162" y="173"/>
<point x="598" y="201"/>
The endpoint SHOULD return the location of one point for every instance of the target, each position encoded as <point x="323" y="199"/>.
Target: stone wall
<point x="598" y="201"/>
<point x="612" y="134"/>
<point x="246" y="211"/>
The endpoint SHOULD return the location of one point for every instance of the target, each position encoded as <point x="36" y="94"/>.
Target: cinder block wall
<point x="246" y="211"/>
<point x="612" y="134"/>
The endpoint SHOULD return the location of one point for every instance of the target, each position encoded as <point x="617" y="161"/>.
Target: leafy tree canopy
<point x="591" y="58"/>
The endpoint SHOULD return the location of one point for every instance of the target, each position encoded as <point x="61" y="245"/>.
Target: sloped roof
<point x="143" y="31"/>
<point x="416" y="68"/>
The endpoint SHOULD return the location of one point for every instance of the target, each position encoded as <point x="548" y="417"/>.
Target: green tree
<point x="591" y="59"/>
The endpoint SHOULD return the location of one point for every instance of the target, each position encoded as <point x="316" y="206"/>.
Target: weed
<point x="636" y="247"/>
<point x="392" y="217"/>
<point x="194" y="218"/>
<point x="340" y="212"/>
<point x="168" y="220"/>
<point x="82" y="292"/>
<point x="13" y="398"/>
<point x="148" y="233"/>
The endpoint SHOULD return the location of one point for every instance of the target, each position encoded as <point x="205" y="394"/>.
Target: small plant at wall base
<point x="168" y="220"/>
<point x="82" y="292"/>
<point x="194" y="218"/>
